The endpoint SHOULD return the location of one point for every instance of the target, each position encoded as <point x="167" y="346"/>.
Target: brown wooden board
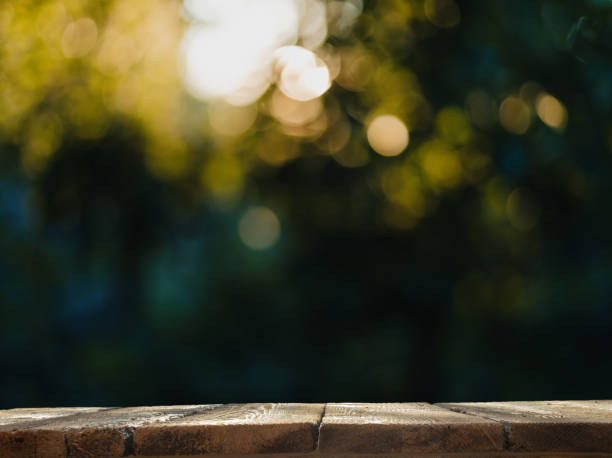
<point x="548" y="426"/>
<point x="562" y="428"/>
<point x="409" y="428"/>
<point x="235" y="429"/>
<point x="19" y="434"/>
<point x="84" y="432"/>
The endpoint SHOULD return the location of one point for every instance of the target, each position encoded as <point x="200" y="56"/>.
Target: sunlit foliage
<point x="402" y="193"/>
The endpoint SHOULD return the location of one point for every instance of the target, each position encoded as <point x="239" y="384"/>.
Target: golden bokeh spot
<point x="15" y="104"/>
<point x="167" y="158"/>
<point x="310" y="131"/>
<point x="442" y="13"/>
<point x="230" y="120"/>
<point x="118" y="53"/>
<point x="127" y="95"/>
<point x="43" y="137"/>
<point x="88" y="116"/>
<point x="403" y="187"/>
<point x="514" y="115"/>
<point x="302" y="75"/>
<point x="259" y="228"/>
<point x="341" y="15"/>
<point x="552" y="112"/>
<point x="356" y="69"/>
<point x="223" y="177"/>
<point x="37" y="37"/>
<point x="521" y="209"/>
<point x="392" y="91"/>
<point x="441" y="164"/>
<point x="391" y="28"/>
<point x="79" y="37"/>
<point x="276" y="149"/>
<point x="332" y="58"/>
<point x="335" y="138"/>
<point x="453" y="126"/>
<point x="293" y="112"/>
<point x="404" y="10"/>
<point x="51" y="20"/>
<point x="387" y="135"/>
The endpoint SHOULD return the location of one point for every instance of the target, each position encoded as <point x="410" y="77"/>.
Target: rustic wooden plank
<point x="561" y="428"/>
<point x="101" y="432"/>
<point x="19" y="416"/>
<point x="549" y="426"/>
<point x="408" y="428"/>
<point x="109" y="433"/>
<point x="19" y="435"/>
<point x="235" y="429"/>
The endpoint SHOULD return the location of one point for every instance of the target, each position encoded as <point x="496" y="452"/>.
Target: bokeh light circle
<point x="388" y="135"/>
<point x="259" y="228"/>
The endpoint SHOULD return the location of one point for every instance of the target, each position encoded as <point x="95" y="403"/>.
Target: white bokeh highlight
<point x="235" y="49"/>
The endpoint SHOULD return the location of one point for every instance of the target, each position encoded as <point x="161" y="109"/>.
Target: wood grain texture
<point x="88" y="432"/>
<point x="410" y="428"/>
<point x="549" y="426"/>
<point x="555" y="428"/>
<point x="110" y="432"/>
<point x="20" y="433"/>
<point x="21" y="416"/>
<point x="235" y="429"/>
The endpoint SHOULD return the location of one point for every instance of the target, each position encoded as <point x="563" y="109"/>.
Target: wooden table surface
<point x="553" y="428"/>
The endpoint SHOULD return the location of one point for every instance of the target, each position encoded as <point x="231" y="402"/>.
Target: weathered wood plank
<point x="410" y="428"/>
<point x="235" y="429"/>
<point x="86" y="432"/>
<point x="19" y="434"/>
<point x="549" y="426"/>
<point x="20" y="416"/>
<point x="562" y="428"/>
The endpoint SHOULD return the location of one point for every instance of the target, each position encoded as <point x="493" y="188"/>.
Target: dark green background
<point x="120" y="289"/>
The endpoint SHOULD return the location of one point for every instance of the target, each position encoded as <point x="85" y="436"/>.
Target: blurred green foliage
<point x="156" y="248"/>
